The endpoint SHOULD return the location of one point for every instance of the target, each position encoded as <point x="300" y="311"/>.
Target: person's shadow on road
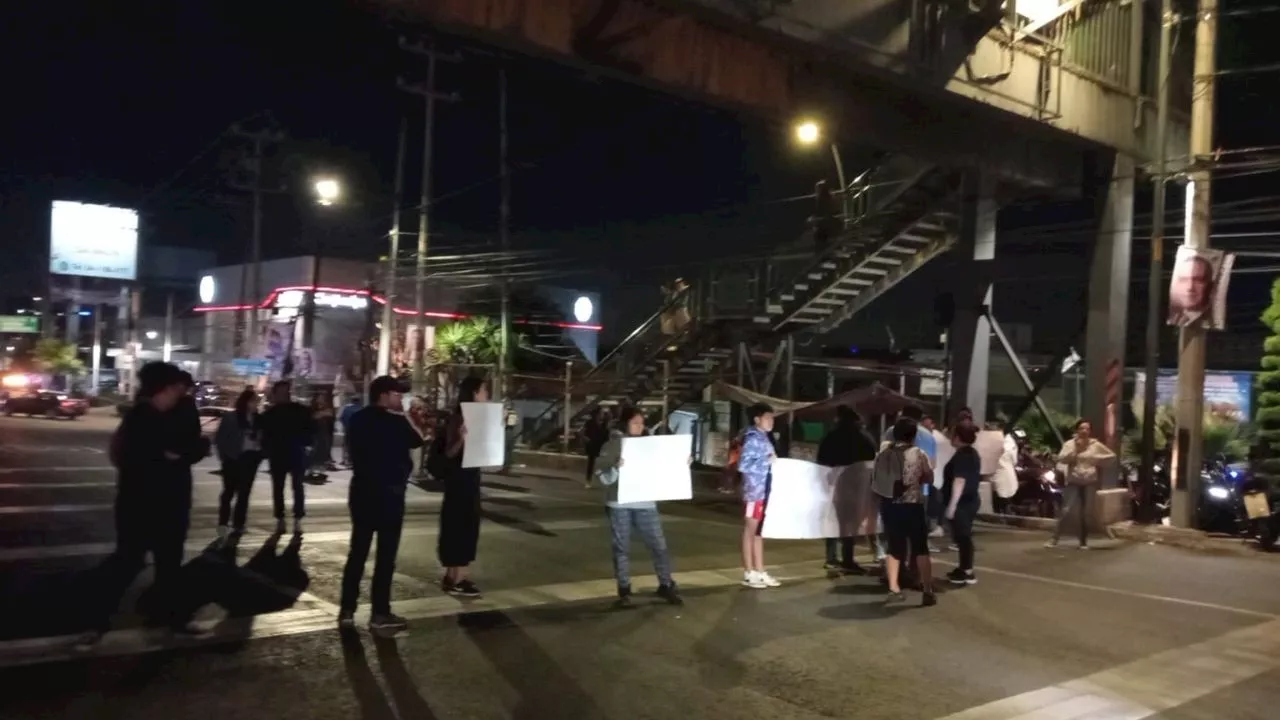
<point x="408" y="701"/>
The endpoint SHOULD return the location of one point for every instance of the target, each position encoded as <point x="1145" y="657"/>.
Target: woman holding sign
<point x="643" y="516"/>
<point x="460" y="511"/>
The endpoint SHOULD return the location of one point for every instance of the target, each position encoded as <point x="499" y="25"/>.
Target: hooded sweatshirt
<point x="607" y="474"/>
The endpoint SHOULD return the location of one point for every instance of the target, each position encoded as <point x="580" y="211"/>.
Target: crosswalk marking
<point x="1146" y="687"/>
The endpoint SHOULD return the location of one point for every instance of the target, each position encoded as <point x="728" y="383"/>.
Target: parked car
<point x="49" y="403"/>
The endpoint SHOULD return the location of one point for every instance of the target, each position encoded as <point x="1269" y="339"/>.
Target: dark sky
<point x="125" y="102"/>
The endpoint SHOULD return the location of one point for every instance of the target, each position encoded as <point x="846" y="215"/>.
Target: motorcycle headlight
<point x="1219" y="493"/>
<point x="1158" y="468"/>
<point x="1049" y="475"/>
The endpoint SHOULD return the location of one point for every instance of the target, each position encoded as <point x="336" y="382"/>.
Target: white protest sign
<point x="486" y="444"/>
<point x="945" y="452"/>
<point x="990" y="446"/>
<point x="655" y="468"/>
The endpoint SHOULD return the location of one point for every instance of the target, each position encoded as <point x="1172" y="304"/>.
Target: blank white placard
<point x="655" y="468"/>
<point x="801" y="504"/>
<point x="990" y="446"/>
<point x="486" y="443"/>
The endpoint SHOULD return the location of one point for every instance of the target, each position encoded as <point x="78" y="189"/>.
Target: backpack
<point x="887" y="477"/>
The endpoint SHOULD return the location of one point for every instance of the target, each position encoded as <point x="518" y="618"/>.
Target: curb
<point x="1185" y="538"/>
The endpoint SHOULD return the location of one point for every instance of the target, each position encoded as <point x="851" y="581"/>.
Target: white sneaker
<point x="297" y="527"/>
<point x="768" y="580"/>
<point x="751" y="579"/>
<point x="936" y="532"/>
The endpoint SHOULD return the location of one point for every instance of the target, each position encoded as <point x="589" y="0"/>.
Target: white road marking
<point x="297" y="621"/>
<point x="49" y="552"/>
<point x="1118" y="591"/>
<point x="1146" y="687"/>
<point x="53" y="468"/>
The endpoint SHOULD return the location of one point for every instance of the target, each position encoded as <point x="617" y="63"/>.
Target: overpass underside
<point x="945" y="111"/>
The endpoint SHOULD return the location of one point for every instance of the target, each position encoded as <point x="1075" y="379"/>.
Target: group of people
<point x="910" y="498"/>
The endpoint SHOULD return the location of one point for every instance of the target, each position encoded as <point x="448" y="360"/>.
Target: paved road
<point x="1123" y="631"/>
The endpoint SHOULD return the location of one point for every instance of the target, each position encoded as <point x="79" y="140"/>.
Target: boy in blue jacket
<point x="755" y="464"/>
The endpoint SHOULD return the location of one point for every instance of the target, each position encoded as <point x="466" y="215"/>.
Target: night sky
<point x="125" y="102"/>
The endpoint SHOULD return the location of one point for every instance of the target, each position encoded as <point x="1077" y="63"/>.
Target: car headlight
<point x="1049" y="475"/>
<point x="1219" y="493"/>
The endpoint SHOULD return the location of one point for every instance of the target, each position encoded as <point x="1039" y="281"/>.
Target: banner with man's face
<point x="1198" y="290"/>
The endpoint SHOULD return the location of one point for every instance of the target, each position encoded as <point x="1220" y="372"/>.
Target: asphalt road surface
<point x="1120" y="632"/>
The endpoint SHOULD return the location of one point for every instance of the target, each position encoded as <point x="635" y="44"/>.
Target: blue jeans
<point x="648" y="524"/>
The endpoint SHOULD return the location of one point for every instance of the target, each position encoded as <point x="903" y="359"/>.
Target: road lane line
<point x="1148" y="686"/>
<point x="298" y="621"/>
<point x="49" y="552"/>
<point x="1118" y="591"/>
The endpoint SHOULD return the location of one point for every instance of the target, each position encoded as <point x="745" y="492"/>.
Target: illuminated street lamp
<point x="808" y="132"/>
<point x="327" y="191"/>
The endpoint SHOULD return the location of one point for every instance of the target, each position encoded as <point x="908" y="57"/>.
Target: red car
<point x="49" y="403"/>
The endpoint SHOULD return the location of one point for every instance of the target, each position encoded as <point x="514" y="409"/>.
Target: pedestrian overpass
<point x="943" y="111"/>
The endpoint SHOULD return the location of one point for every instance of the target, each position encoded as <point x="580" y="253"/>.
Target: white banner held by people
<point x="808" y="501"/>
<point x="655" y="468"/>
<point x="486" y="438"/>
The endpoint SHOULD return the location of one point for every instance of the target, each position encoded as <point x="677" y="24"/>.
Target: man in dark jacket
<point x="153" y="450"/>
<point x="381" y="439"/>
<point x="847" y="444"/>
<point x="287" y="431"/>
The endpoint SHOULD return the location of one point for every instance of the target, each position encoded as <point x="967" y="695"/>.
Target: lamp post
<point x="809" y="133"/>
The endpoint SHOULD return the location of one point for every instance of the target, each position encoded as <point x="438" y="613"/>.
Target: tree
<point x="58" y="358"/>
<point x="1268" y="414"/>
<point x="473" y="341"/>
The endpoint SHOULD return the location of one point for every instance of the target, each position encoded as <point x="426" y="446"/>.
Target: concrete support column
<point x="970" y="333"/>
<point x="1109" y="306"/>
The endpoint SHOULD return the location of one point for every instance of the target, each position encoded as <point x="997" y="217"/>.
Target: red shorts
<point x="754" y="510"/>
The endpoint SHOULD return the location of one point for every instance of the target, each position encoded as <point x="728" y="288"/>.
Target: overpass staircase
<point x="903" y="214"/>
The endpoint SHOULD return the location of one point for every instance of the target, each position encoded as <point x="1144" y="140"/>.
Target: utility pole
<point x="251" y="272"/>
<point x="1188" y="444"/>
<point x="504" y="234"/>
<point x="430" y="96"/>
<point x="135" y="314"/>
<point x="1155" y="273"/>
<point x="388" y="313"/>
<point x="168" y="327"/>
<point x="96" y="363"/>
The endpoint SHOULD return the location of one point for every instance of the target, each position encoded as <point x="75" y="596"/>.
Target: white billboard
<point x="93" y="241"/>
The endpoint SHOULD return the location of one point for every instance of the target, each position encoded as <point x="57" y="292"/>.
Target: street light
<point x="808" y="132"/>
<point x="327" y="191"/>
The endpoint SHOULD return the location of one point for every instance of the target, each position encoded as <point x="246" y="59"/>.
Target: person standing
<point x="323" y="423"/>
<point x="960" y="481"/>
<point x="286" y="432"/>
<point x="901" y="472"/>
<point x="152" y="451"/>
<point x="643" y="516"/>
<point x="595" y="432"/>
<point x="460" y="511"/>
<point x="849" y="445"/>
<point x="1083" y="455"/>
<point x="381" y="441"/>
<point x="755" y="463"/>
<point x="344" y="418"/>
<point x="239" y="453"/>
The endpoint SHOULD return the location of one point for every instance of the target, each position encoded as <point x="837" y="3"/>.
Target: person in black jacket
<point x="153" y="450"/>
<point x="847" y="444"/>
<point x="287" y="431"/>
<point x="381" y="439"/>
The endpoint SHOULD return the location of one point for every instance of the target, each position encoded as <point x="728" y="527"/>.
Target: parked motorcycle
<point x="1039" y="491"/>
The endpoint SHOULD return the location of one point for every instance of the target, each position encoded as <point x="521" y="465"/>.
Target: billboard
<point x="19" y="324"/>
<point x="1198" y="288"/>
<point x="1227" y="395"/>
<point x="93" y="241"/>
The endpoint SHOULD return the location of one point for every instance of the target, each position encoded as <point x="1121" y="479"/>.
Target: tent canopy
<point x="874" y="399"/>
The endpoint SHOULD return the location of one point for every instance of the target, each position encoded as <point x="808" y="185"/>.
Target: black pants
<point x="907" y="526"/>
<point x="846" y="550"/>
<point x="962" y="531"/>
<point x="237" y="484"/>
<point x="162" y="532"/>
<point x="293" y="467"/>
<point x="387" y="525"/>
